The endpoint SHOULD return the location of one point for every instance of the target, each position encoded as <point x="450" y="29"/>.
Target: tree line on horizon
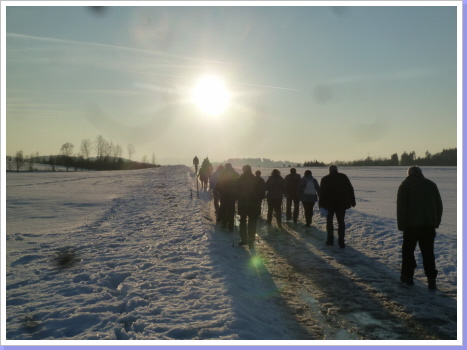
<point x="447" y="157"/>
<point x="107" y="156"/>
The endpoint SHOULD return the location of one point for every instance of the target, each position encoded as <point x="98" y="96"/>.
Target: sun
<point x="211" y="95"/>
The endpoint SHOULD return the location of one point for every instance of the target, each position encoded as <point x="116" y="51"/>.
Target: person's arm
<point x="402" y="208"/>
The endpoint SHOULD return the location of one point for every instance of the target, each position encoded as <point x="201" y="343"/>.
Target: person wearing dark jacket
<point x="308" y="192"/>
<point x="249" y="191"/>
<point x="275" y="193"/>
<point x="263" y="186"/>
<point x="291" y="183"/>
<point x="212" y="185"/>
<point x="226" y="188"/>
<point x="336" y="196"/>
<point x="419" y="211"/>
<point x="196" y="163"/>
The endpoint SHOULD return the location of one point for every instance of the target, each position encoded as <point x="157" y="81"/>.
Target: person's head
<point x="293" y="171"/>
<point x="275" y="172"/>
<point x="332" y="169"/>
<point x="246" y="169"/>
<point x="414" y="170"/>
<point x="258" y="173"/>
<point x="228" y="166"/>
<point x="307" y="172"/>
<point x="220" y="167"/>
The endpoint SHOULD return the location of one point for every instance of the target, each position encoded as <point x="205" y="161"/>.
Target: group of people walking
<point x="335" y="194"/>
<point x="204" y="172"/>
<point x="419" y="207"/>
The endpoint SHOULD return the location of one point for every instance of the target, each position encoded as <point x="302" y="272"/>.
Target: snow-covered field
<point x="146" y="261"/>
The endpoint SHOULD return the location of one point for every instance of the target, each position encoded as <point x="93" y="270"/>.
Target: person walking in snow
<point x="226" y="187"/>
<point x="205" y="173"/>
<point x="336" y="196"/>
<point x="249" y="191"/>
<point x="212" y="185"/>
<point x="308" y="192"/>
<point x="419" y="212"/>
<point x="207" y="166"/>
<point x="196" y="163"/>
<point x="291" y="183"/>
<point x="275" y="194"/>
<point x="263" y="185"/>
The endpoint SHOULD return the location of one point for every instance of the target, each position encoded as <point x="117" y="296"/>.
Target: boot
<point x="431" y="283"/>
<point x="407" y="280"/>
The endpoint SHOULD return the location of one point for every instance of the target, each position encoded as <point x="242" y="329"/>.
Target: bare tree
<point x="86" y="146"/>
<point x="67" y="153"/>
<point x="19" y="159"/>
<point x="131" y="151"/>
<point x="116" y="151"/>
<point x="100" y="147"/>
<point x="153" y="158"/>
<point x="31" y="161"/>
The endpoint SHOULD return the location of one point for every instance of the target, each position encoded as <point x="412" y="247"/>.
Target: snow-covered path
<point x="150" y="267"/>
<point x="151" y="264"/>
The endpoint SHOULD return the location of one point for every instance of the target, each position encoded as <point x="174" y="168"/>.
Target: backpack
<point x="310" y="187"/>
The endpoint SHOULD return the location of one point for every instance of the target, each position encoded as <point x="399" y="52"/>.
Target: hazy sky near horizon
<point x="309" y="82"/>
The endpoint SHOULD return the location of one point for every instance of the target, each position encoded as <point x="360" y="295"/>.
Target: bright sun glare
<point x="211" y="95"/>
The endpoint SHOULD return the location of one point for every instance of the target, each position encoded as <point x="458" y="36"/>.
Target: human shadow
<point x="357" y="286"/>
<point x="251" y="288"/>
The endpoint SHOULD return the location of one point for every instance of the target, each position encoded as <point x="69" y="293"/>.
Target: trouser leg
<point x="221" y="214"/>
<point x="252" y="221"/>
<point x="216" y="201"/>
<point x="270" y="209"/>
<point x="243" y="229"/>
<point x="426" y="242"/>
<point x="312" y="205"/>
<point x="296" y="209"/>
<point x="230" y="213"/>
<point x="340" y="216"/>
<point x="308" y="208"/>
<point x="330" y="226"/>
<point x="278" y="210"/>
<point x="408" y="258"/>
<point x="288" y="212"/>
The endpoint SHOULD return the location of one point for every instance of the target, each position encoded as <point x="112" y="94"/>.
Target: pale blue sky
<point x="309" y="82"/>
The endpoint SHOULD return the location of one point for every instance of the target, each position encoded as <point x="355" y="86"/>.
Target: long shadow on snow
<point x="257" y="287"/>
<point x="374" y="298"/>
